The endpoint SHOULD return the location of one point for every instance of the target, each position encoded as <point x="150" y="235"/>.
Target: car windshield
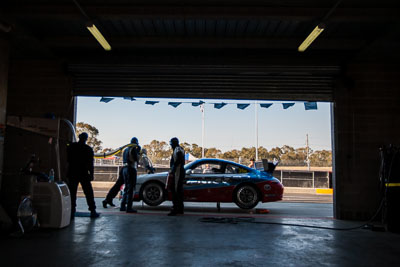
<point x="206" y="165"/>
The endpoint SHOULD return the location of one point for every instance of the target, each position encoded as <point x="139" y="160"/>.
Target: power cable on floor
<point x="252" y="220"/>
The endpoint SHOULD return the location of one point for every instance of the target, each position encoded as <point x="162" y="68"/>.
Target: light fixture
<point x="314" y="34"/>
<point x="99" y="37"/>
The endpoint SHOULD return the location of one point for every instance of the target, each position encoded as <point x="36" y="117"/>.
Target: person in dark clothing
<point x="144" y="161"/>
<point x="114" y="190"/>
<point x="177" y="174"/>
<point x="80" y="170"/>
<point x="131" y="157"/>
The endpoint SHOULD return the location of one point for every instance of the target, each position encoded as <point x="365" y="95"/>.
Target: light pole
<point x="308" y="153"/>
<point x="202" y="129"/>
<point x="256" y="127"/>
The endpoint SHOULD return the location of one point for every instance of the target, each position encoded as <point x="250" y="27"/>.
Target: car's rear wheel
<point x="246" y="196"/>
<point x="153" y="194"/>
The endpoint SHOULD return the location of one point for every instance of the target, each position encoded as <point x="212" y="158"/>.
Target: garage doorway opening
<point x="299" y="138"/>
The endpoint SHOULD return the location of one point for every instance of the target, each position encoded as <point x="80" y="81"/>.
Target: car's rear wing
<point x="269" y="167"/>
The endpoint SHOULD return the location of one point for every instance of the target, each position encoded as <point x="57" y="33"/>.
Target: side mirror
<point x="189" y="171"/>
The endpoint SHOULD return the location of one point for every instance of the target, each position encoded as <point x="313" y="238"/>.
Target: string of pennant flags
<point x="242" y="106"/>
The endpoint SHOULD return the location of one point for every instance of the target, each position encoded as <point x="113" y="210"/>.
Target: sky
<point x="226" y="128"/>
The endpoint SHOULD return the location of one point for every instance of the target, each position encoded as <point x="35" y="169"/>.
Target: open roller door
<point x="306" y="83"/>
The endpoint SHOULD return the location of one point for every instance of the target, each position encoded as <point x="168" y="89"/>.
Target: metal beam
<point x="203" y="42"/>
<point x="210" y="12"/>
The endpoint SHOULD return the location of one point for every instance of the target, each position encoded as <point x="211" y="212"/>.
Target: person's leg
<point x="73" y="188"/>
<point x="125" y="175"/>
<point x="174" y="195"/>
<point x="88" y="191"/>
<point x="131" y="189"/>
<point x="114" y="190"/>
<point x="180" y="196"/>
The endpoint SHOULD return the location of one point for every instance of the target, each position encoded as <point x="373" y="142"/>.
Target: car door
<point x="234" y="175"/>
<point x="200" y="181"/>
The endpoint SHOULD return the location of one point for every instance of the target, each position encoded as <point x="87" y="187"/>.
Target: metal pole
<point x="256" y="127"/>
<point x="58" y="152"/>
<point x="308" y="153"/>
<point x="313" y="179"/>
<point x="202" y="108"/>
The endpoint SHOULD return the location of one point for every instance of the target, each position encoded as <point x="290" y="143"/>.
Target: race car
<point x="214" y="180"/>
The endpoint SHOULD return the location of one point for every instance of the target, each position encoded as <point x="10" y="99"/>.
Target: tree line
<point x="160" y="151"/>
<point x="287" y="155"/>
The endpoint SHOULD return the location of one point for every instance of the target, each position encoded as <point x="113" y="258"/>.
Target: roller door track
<point x="312" y="83"/>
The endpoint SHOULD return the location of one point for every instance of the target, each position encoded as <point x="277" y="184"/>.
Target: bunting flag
<point x="287" y="105"/>
<point x="219" y="105"/>
<point x="151" y="102"/>
<point x="310" y="106"/>
<point x="242" y="106"/>
<point x="196" y="104"/>
<point x="265" y="105"/>
<point x="200" y="103"/>
<point x="174" y="104"/>
<point x="106" y="99"/>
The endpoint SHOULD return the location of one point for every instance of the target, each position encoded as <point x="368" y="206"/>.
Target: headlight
<point x="267" y="187"/>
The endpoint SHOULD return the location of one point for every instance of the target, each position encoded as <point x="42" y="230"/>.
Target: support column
<point x="4" y="54"/>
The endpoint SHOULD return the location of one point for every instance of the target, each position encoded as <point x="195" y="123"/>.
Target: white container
<point x="53" y="204"/>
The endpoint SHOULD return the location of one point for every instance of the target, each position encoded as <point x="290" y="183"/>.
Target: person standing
<point x="145" y="162"/>
<point x="177" y="174"/>
<point x="252" y="163"/>
<point x="80" y="170"/>
<point x="130" y="157"/>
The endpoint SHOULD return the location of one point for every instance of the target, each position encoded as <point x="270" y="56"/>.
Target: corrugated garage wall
<point x="313" y="83"/>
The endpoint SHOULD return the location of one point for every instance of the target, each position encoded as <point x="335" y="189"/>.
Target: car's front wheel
<point x="153" y="194"/>
<point x="246" y="196"/>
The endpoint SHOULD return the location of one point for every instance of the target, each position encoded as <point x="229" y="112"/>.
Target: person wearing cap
<point x="130" y="158"/>
<point x="177" y="174"/>
<point x="80" y="170"/>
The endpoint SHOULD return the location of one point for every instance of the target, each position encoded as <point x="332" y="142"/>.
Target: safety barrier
<point x="307" y="179"/>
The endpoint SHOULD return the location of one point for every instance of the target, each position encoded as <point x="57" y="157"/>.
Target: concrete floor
<point x="150" y="238"/>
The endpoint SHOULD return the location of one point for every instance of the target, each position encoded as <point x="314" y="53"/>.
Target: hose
<point x="111" y="153"/>
<point x="252" y="220"/>
<point x="72" y="128"/>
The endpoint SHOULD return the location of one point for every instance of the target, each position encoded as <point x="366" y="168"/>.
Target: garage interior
<point x="222" y="49"/>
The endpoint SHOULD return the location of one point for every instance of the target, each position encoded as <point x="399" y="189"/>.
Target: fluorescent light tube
<point x="99" y="37"/>
<point x="314" y="34"/>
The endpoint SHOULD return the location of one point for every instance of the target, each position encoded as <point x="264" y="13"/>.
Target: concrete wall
<point x="366" y="116"/>
<point x="36" y="89"/>
<point x="4" y="54"/>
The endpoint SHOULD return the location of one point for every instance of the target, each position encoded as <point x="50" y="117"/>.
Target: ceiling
<point x="254" y="40"/>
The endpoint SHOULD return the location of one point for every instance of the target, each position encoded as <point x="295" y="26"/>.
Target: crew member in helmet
<point x="130" y="157"/>
<point x="144" y="161"/>
<point x="80" y="170"/>
<point x="177" y="174"/>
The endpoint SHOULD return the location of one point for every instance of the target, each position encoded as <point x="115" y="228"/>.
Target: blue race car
<point x="214" y="180"/>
